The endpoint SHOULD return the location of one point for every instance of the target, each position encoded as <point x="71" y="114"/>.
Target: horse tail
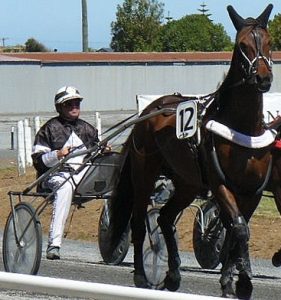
<point x="120" y="204"/>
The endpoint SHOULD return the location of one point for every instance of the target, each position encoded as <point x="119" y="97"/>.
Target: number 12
<point x="186" y="116"/>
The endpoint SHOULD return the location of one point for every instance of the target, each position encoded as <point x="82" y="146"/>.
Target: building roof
<point x="4" y="57"/>
<point x="45" y="57"/>
<point x="82" y="57"/>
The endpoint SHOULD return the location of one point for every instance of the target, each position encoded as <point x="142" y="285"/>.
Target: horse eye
<point x="269" y="44"/>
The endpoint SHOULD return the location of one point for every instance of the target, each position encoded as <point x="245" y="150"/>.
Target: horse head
<point x="252" y="49"/>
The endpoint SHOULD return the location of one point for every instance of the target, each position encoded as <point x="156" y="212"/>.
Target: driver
<point x="58" y="137"/>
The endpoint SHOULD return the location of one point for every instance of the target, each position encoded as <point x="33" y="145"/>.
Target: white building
<point x="110" y="81"/>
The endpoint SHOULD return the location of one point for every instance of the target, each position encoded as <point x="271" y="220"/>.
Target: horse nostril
<point x="264" y="83"/>
<point x="267" y="79"/>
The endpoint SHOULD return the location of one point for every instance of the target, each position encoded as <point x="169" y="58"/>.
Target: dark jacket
<point x="56" y="134"/>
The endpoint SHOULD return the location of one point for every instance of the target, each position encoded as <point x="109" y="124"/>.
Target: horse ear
<point x="264" y="16"/>
<point x="236" y="19"/>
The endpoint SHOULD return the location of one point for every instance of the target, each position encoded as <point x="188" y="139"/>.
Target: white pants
<point x="62" y="203"/>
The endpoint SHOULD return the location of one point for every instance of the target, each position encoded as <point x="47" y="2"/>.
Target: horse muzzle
<point x="262" y="83"/>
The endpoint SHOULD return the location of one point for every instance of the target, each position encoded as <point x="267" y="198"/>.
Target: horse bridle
<point x="250" y="67"/>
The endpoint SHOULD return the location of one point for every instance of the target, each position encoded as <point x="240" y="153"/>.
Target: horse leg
<point x="145" y="175"/>
<point x="173" y="278"/>
<point x="241" y="235"/>
<point x="227" y="271"/>
<point x="138" y="235"/>
<point x="168" y="214"/>
<point x="236" y="254"/>
<point x="235" y="213"/>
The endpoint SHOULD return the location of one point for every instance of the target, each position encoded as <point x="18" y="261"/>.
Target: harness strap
<point x="226" y="181"/>
<point x="266" y="177"/>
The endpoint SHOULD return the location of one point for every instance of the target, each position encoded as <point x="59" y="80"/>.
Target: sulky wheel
<point x="111" y="256"/>
<point x="22" y="240"/>
<point x="208" y="241"/>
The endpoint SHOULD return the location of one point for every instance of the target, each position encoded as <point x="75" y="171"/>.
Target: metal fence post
<point x="12" y="138"/>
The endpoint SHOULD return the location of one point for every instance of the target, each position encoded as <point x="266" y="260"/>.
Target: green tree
<point x="274" y="28"/>
<point x="137" y="26"/>
<point x="32" y="45"/>
<point x="194" y="33"/>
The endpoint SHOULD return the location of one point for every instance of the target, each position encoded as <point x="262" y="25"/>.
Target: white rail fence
<point x="97" y="291"/>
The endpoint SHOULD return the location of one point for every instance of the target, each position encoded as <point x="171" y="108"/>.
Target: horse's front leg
<point x="228" y="268"/>
<point x="236" y="248"/>
<point x="240" y="252"/>
<point x="236" y="254"/>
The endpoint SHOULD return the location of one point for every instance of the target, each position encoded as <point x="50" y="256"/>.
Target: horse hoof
<point x="228" y="292"/>
<point x="172" y="280"/>
<point x="140" y="281"/>
<point x="244" y="287"/>
<point x="276" y="259"/>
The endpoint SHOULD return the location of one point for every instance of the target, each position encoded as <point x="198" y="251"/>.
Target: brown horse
<point x="239" y="174"/>
<point x="232" y="159"/>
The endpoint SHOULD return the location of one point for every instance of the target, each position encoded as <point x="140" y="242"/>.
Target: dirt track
<point x="265" y="238"/>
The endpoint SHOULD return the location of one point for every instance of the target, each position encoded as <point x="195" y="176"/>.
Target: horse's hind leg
<point x="173" y="278"/>
<point x="144" y="180"/>
<point x="138" y="236"/>
<point x="166" y="220"/>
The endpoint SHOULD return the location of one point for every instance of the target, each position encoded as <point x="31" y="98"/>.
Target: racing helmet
<point x="67" y="93"/>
